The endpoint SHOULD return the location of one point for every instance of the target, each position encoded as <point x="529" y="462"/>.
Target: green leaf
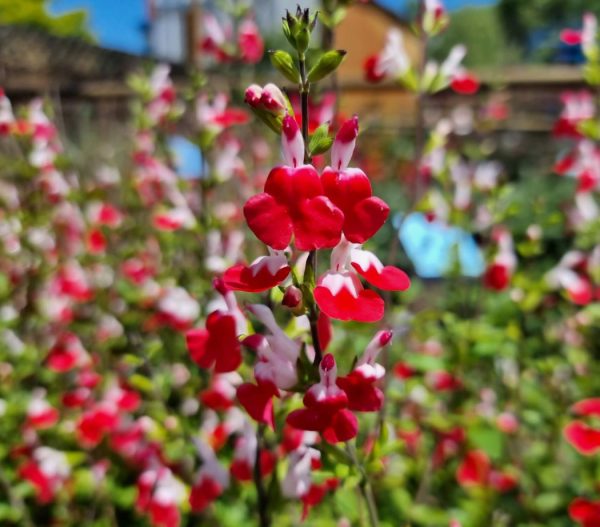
<point x="320" y="141"/>
<point x="326" y="65"/>
<point x="284" y="63"/>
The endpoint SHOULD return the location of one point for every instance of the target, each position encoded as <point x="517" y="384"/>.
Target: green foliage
<point x="35" y="13"/>
<point x="481" y="31"/>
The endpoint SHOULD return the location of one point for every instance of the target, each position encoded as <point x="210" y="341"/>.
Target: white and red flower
<point x="293" y="202"/>
<point x="339" y="292"/>
<point x="360" y="383"/>
<point x="326" y="407"/>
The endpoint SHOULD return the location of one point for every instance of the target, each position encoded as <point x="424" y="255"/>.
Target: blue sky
<point x="118" y="23"/>
<point x="115" y="23"/>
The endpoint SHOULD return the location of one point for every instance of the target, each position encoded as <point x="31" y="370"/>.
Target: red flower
<point x="465" y="83"/>
<point x="216" y="345"/>
<point x="326" y="407"/>
<point x="476" y="470"/>
<point x="96" y="423"/>
<point x="258" y="402"/>
<point x="359" y="384"/>
<point x="339" y="292"/>
<point x="204" y="493"/>
<point x="293" y="202"/>
<point x="497" y="276"/>
<point x="264" y="273"/>
<point x="587" y="407"/>
<point x="584" y="438"/>
<point x="350" y="189"/>
<point x="585" y="512"/>
<point x="372" y="73"/>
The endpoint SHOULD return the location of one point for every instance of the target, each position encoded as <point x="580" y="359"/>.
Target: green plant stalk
<point x="366" y="490"/>
<point x="262" y="496"/>
<point x="311" y="264"/>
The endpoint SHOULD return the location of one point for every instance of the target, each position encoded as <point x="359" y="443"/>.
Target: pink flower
<point x="293" y="203"/>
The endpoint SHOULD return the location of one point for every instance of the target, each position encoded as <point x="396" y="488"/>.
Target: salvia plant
<point x="239" y="347"/>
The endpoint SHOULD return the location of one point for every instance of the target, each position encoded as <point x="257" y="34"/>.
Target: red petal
<point x="362" y="395"/>
<point x="204" y="493"/>
<point x="475" y="469"/>
<point x="325" y="330"/>
<point x="585" y="439"/>
<point x="318" y="224"/>
<point x="571" y="37"/>
<point x="344" y="427"/>
<point x="308" y="419"/>
<point x="465" y="84"/>
<point x="585" y="512"/>
<point x="241" y="278"/>
<point x="258" y="402"/>
<point x="588" y="407"/>
<point x="389" y="279"/>
<point x="346" y="188"/>
<point x="368" y="307"/>
<point x="196" y="340"/>
<point x="290" y="186"/>
<point x="365" y="219"/>
<point x="223" y="343"/>
<point x="269" y="221"/>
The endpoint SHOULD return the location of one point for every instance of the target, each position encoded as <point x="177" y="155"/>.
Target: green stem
<point x="366" y="490"/>
<point x="311" y="264"/>
<point x="262" y="497"/>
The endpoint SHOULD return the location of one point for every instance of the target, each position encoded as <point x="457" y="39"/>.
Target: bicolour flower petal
<point x="264" y="273"/>
<point x="387" y="277"/>
<point x="342" y="296"/>
<point x="362" y="396"/>
<point x="584" y="438"/>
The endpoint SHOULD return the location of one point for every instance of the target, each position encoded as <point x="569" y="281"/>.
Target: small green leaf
<point x="327" y="64"/>
<point x="320" y="141"/>
<point x="284" y="63"/>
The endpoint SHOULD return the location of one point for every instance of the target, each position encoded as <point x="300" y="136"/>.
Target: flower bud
<point x="292" y="297"/>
